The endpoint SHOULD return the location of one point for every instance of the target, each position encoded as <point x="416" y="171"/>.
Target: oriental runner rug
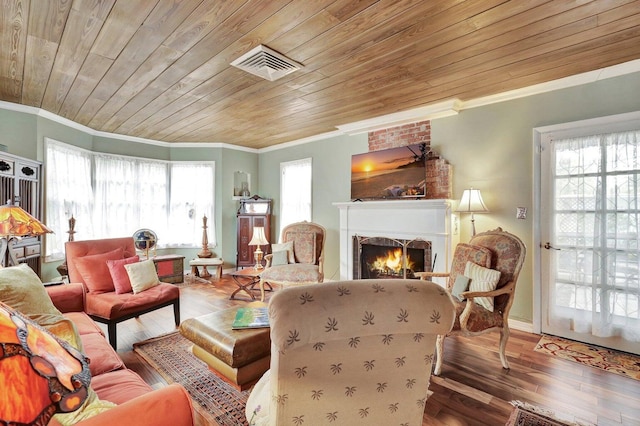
<point x="621" y="363"/>
<point x="214" y="399"/>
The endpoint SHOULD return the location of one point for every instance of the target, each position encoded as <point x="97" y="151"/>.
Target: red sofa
<point x="137" y="403"/>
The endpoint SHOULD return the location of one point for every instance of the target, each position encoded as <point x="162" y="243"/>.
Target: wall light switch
<point x="521" y="212"/>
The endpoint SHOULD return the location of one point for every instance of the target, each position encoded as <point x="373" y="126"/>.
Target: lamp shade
<point x="471" y="202"/>
<point x="40" y="375"/>
<point x="16" y="222"/>
<point x="258" y="238"/>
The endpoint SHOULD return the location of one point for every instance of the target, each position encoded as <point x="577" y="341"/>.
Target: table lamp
<point x="258" y="239"/>
<point x="14" y="223"/>
<point x="471" y="202"/>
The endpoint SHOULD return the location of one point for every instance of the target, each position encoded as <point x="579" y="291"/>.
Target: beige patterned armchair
<point x="495" y="250"/>
<point x="298" y="259"/>
<point x="351" y="353"/>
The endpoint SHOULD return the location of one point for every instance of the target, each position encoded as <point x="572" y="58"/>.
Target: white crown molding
<point x="428" y="112"/>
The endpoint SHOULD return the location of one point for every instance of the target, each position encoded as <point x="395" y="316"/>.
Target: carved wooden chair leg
<point x="439" y="352"/>
<point x="504" y="336"/>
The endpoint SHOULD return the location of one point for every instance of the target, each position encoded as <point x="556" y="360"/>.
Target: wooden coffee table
<point x="246" y="280"/>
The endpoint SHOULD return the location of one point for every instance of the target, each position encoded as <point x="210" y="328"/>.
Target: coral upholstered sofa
<point x="117" y="394"/>
<point x="87" y="264"/>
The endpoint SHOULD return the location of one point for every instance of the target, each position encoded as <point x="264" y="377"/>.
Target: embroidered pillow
<point x="142" y="275"/>
<point x="119" y="275"/>
<point x="95" y="272"/>
<point x="482" y="279"/>
<point x="288" y="246"/>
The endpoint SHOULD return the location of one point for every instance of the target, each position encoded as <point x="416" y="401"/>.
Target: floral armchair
<point x="351" y="352"/>
<point x="484" y="305"/>
<point x="298" y="259"/>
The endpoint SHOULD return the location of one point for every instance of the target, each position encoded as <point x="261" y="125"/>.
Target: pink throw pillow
<point x="119" y="274"/>
<point x="95" y="272"/>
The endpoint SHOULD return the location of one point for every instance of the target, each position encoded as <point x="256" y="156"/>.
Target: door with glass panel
<point x="590" y="237"/>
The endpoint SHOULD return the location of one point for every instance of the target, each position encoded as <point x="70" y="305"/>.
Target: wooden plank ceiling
<point x="160" y="69"/>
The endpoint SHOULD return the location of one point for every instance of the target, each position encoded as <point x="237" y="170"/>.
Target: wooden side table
<point x="246" y="280"/>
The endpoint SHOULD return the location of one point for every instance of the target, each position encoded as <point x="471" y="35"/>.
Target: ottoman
<point x="239" y="356"/>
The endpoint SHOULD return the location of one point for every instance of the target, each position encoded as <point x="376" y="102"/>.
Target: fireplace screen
<point x="381" y="257"/>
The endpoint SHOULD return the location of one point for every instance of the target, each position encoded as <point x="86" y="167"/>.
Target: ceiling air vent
<point x="266" y="63"/>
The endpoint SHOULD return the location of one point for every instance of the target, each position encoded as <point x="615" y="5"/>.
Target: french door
<point x="590" y="236"/>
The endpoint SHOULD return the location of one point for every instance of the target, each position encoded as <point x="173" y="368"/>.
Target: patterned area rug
<point x="606" y="359"/>
<point x="530" y="415"/>
<point x="215" y="400"/>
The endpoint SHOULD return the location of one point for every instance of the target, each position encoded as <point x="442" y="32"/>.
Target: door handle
<point x="548" y="246"/>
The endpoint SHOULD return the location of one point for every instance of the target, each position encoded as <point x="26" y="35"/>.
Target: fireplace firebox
<point x="386" y="258"/>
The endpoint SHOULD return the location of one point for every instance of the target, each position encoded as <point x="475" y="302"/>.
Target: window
<point x="114" y="195"/>
<point x="295" y="191"/>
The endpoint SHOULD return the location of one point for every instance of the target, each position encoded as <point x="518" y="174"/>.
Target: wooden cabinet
<point x="254" y="211"/>
<point x="20" y="183"/>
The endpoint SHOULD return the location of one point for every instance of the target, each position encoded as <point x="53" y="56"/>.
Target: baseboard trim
<point x="527" y="327"/>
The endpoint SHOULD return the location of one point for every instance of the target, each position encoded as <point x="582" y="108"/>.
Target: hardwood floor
<point x="473" y="389"/>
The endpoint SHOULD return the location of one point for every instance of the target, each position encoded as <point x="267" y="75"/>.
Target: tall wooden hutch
<point x="21" y="183"/>
<point x="254" y="211"/>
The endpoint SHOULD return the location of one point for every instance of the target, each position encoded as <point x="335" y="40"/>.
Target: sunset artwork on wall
<point x="389" y="173"/>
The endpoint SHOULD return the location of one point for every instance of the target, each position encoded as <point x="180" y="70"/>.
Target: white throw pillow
<point x="142" y="275"/>
<point x="482" y="279"/>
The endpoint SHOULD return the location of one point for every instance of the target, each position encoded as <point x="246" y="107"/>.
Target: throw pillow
<point x="22" y="289"/>
<point x="482" y="279"/>
<point x="279" y="257"/>
<point x="288" y="246"/>
<point x="460" y="285"/>
<point x="142" y="275"/>
<point x="95" y="272"/>
<point x="119" y="275"/>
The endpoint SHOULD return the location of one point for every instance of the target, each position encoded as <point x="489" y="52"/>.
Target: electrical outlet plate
<point x="521" y="212"/>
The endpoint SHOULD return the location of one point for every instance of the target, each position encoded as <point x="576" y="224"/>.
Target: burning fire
<point x="391" y="263"/>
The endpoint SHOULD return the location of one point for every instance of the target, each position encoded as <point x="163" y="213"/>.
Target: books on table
<point x="251" y="317"/>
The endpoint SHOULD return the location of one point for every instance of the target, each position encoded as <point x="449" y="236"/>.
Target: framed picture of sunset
<point x="389" y="174"/>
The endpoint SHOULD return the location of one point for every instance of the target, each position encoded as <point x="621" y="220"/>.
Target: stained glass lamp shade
<point x="40" y="375"/>
<point x="16" y="222"/>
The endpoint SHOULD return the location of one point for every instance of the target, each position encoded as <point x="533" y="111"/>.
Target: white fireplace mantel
<point x="430" y="220"/>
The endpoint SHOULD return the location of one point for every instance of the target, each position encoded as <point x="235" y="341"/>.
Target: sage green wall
<point x="331" y="179"/>
<point x="18" y="133"/>
<point x="490" y="148"/>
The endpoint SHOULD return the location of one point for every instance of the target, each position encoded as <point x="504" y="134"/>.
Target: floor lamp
<point x="15" y="223"/>
<point x="471" y="202"/>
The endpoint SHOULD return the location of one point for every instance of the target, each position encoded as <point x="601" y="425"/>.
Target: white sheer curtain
<point x="129" y="194"/>
<point x="597" y="216"/>
<point x="295" y="192"/>
<point x="114" y="195"/>
<point x="192" y="195"/>
<point x="69" y="192"/>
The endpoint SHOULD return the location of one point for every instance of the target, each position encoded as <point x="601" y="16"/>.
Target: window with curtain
<point x="114" y="195"/>
<point x="597" y="215"/>
<point x="295" y="192"/>
<point x="69" y="193"/>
